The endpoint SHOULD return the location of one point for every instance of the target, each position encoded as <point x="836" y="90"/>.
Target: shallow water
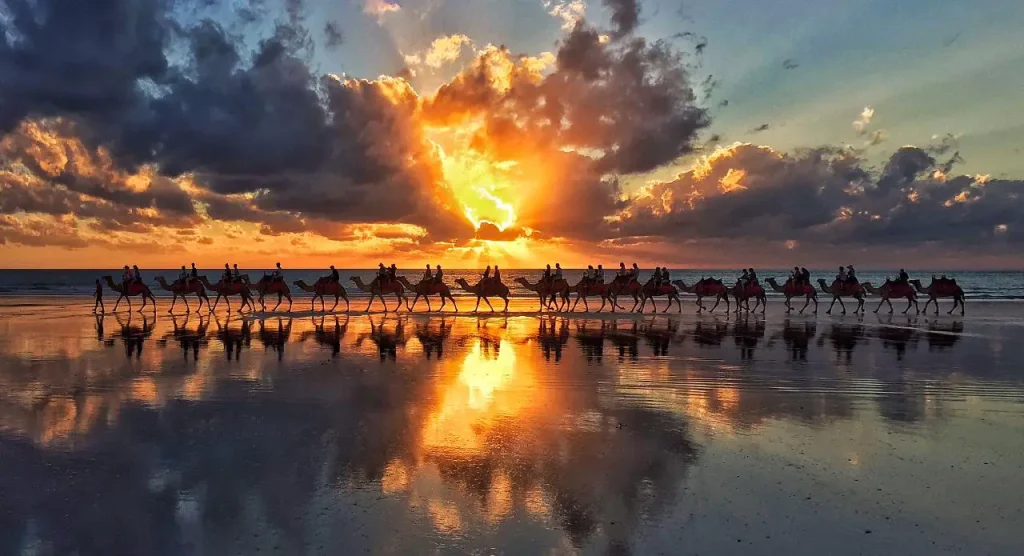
<point x="419" y="434"/>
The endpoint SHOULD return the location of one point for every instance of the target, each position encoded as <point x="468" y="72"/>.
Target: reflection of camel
<point x="552" y="334"/>
<point x="626" y="340"/>
<point x="896" y="337"/>
<point x="433" y="339"/>
<point x="188" y="339"/>
<point x="233" y="340"/>
<point x="324" y="337"/>
<point x="377" y="290"/>
<point x="322" y="287"/>
<point x="545" y="290"/>
<point x="228" y="289"/>
<point x="791" y="290"/>
<point x="893" y="290"/>
<point x="747" y="335"/>
<point x="276" y="338"/>
<point x="797" y="337"/>
<point x="387" y="342"/>
<point x="659" y="337"/>
<point x="944" y="335"/>
<point x="133" y="289"/>
<point x="485" y="290"/>
<point x="844" y="338"/>
<point x="941" y="288"/>
<point x="838" y="290"/>
<point x="134" y="336"/>
<point x="427" y="288"/>
<point x="710" y="333"/>
<point x="706" y="287"/>
<point x="180" y="290"/>
<point x="591" y="339"/>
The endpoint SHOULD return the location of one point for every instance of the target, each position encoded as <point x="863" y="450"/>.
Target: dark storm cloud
<point x="239" y="121"/>
<point x="828" y="196"/>
<point x="625" y="16"/>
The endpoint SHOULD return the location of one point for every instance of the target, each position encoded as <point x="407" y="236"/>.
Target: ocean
<point x="1002" y="285"/>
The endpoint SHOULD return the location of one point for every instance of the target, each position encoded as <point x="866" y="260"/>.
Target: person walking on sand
<point x="99" y="298"/>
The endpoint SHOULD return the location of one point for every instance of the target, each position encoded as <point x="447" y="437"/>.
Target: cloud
<point x="828" y="198"/>
<point x="625" y="16"/>
<point x="861" y="123"/>
<point x="442" y="50"/>
<point x="570" y="12"/>
<point x="380" y="8"/>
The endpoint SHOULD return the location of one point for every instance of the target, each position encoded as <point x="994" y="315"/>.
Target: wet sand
<point x="519" y="434"/>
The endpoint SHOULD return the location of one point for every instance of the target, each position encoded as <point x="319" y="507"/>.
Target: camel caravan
<point x="554" y="292"/>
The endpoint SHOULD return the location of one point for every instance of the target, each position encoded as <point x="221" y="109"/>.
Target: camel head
<point x="462" y="282"/>
<point x="523" y="281"/>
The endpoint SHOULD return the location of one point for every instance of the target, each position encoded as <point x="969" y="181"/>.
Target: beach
<point x="518" y="433"/>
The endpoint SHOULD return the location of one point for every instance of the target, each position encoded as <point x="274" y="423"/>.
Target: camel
<point x="375" y="290"/>
<point x="742" y="294"/>
<point x="627" y="286"/>
<point x="179" y="290"/>
<point x="650" y="291"/>
<point x="483" y="291"/>
<point x="939" y="288"/>
<point x="323" y="287"/>
<point x="706" y="287"/>
<point x="791" y="290"/>
<point x="134" y="289"/>
<point x="890" y="290"/>
<point x="557" y="287"/>
<point x="427" y="288"/>
<point x="271" y="285"/>
<point x="839" y="290"/>
<point x="228" y="289"/>
<point x="583" y="289"/>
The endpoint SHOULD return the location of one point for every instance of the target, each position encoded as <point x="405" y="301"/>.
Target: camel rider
<point x="382" y="273"/>
<point x="622" y="275"/>
<point x="486" y="275"/>
<point x="194" y="275"/>
<point x="752" y="277"/>
<point x="591" y="276"/>
<point x="546" y="277"/>
<point x="126" y="276"/>
<point x="278" y="273"/>
<point x="851" y="275"/>
<point x="427" y="276"/>
<point x="497" y="275"/>
<point x="438" y="275"/>
<point x="136" y="274"/>
<point x="558" y="272"/>
<point x="795" y="276"/>
<point x="904" y="278"/>
<point x="842" y="274"/>
<point x="236" y="276"/>
<point x="335" y="277"/>
<point x="657" y="277"/>
<point x="183" y="277"/>
<point x="634" y="275"/>
<point x="599" y="275"/>
<point x="805" y="276"/>
<point x="392" y="273"/>
<point x="745" y="277"/>
<point x="666" y="278"/>
<point x="226" y="277"/>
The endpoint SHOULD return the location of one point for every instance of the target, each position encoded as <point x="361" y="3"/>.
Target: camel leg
<point x="336" y="298"/>
<point x="288" y="296"/>
<point x="636" y="301"/>
<point x="488" y="301"/>
<point x="279" y="298"/>
<point x="829" y="312"/>
<point x="454" y="304"/>
<point x="429" y="308"/>
<point x="962" y="308"/>
<point x="764" y="304"/>
<point x="346" y="305"/>
<point x="806" y="303"/>
<point x="880" y="303"/>
<point x="185" y="301"/>
<point x="477" y="308"/>
<point x="173" y="301"/>
<point x="505" y="310"/>
<point x="118" y="303"/>
<point x="414" y="302"/>
<point x="910" y="302"/>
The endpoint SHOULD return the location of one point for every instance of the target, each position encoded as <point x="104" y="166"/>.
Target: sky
<point x="515" y="132"/>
